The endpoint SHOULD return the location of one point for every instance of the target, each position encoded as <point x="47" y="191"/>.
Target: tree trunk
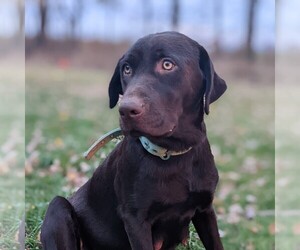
<point x="21" y="12"/>
<point x="43" y="21"/>
<point x="250" y="29"/>
<point x="218" y="11"/>
<point x="75" y="18"/>
<point x="175" y="14"/>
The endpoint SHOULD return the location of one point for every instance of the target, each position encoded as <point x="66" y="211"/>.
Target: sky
<point x="124" y="21"/>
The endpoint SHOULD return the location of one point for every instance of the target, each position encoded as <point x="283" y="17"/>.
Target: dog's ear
<point x="215" y="86"/>
<point x="115" y="87"/>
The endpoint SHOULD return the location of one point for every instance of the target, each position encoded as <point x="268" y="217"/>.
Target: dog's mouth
<point x="154" y="125"/>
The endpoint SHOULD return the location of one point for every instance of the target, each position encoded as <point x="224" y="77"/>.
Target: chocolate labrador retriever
<point x="162" y="176"/>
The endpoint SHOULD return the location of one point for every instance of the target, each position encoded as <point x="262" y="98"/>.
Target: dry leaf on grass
<point x="282" y="182"/>
<point x="225" y="190"/>
<point x="75" y="178"/>
<point x="275" y="228"/>
<point x="222" y="233"/>
<point x="32" y="161"/>
<point x="250" y="212"/>
<point x="235" y="213"/>
<point x="296" y="229"/>
<point x="250" y="198"/>
<point x="233" y="176"/>
<point x="55" y="167"/>
<point x="35" y="141"/>
<point x="84" y="167"/>
<point x="250" y="246"/>
<point x="260" y="182"/>
<point x="250" y="165"/>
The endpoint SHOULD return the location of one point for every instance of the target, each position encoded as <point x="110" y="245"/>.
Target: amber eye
<point x="127" y="70"/>
<point x="168" y="65"/>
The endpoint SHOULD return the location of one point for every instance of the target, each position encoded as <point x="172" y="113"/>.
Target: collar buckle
<point x="166" y="156"/>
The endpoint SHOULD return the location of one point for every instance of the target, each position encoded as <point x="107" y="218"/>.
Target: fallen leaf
<point x="296" y="229"/>
<point x="255" y="227"/>
<point x="58" y="143"/>
<point x="75" y="178"/>
<point x="225" y="190"/>
<point x="4" y="169"/>
<point x="55" y="167"/>
<point x="35" y="141"/>
<point x="250" y="246"/>
<point x="233" y="176"/>
<point x="272" y="229"/>
<point x="221" y="210"/>
<point x="74" y="158"/>
<point x="250" y="212"/>
<point x="282" y="182"/>
<point x="250" y="165"/>
<point x="250" y="198"/>
<point x="84" y="167"/>
<point x="215" y="150"/>
<point x="260" y="182"/>
<point x="235" y="212"/>
<point x="63" y="116"/>
<point x="222" y="233"/>
<point x="31" y="162"/>
<point x="28" y="168"/>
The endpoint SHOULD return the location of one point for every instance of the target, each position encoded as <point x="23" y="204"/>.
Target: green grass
<point x="287" y="162"/>
<point x="12" y="178"/>
<point x="67" y="110"/>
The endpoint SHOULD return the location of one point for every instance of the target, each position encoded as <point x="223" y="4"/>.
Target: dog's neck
<point x="159" y="151"/>
<point x="161" y="147"/>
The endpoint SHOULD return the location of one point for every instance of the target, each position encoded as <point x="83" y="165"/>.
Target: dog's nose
<point x="131" y="108"/>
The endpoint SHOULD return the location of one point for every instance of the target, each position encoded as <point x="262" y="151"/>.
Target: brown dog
<point x="162" y="176"/>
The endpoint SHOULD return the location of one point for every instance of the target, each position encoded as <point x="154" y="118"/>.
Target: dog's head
<point x="167" y="81"/>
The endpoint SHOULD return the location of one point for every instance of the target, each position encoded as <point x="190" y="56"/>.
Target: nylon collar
<point x="161" y="152"/>
<point x="152" y="148"/>
<point x="102" y="141"/>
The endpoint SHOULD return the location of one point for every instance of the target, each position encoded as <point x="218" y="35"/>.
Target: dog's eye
<point x="127" y="70"/>
<point x="168" y="65"/>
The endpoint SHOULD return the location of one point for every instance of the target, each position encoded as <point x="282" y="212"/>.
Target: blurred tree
<point x="175" y="14"/>
<point x="250" y="29"/>
<point x="72" y="14"/>
<point x="75" y="17"/>
<point x="107" y="1"/>
<point x="218" y="18"/>
<point x="43" y="11"/>
<point x="108" y="20"/>
<point x="21" y="13"/>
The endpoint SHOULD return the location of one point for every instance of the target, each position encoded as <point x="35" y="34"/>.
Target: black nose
<point x="131" y="108"/>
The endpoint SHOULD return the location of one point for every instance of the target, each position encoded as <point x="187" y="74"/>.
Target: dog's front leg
<point x="138" y="231"/>
<point x="206" y="226"/>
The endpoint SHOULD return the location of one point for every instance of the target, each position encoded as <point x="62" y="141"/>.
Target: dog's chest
<point x="174" y="197"/>
<point x="171" y="191"/>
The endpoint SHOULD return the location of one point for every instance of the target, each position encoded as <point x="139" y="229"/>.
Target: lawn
<point x="287" y="160"/>
<point x="12" y="179"/>
<point x="66" y="110"/>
